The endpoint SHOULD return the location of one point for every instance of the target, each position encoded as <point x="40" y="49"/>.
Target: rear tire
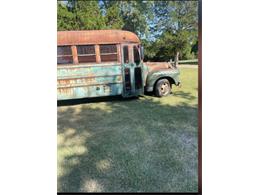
<point x="162" y="88"/>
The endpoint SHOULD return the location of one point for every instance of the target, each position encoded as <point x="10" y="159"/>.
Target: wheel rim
<point x="164" y="88"/>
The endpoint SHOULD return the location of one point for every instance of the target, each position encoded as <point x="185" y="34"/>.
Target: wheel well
<point x="171" y="80"/>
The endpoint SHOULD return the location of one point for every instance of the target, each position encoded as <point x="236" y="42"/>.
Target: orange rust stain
<point x="97" y="51"/>
<point x="75" y="54"/>
<point x="153" y="66"/>
<point x="68" y="91"/>
<point x="95" y="37"/>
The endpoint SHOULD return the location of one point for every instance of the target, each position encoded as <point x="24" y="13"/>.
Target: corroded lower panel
<point x="89" y="81"/>
<point x="76" y="82"/>
<point x="89" y="91"/>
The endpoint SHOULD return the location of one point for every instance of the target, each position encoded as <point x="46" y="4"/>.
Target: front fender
<point x="171" y="74"/>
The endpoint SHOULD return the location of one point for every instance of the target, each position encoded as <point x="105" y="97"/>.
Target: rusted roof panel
<point x="96" y="37"/>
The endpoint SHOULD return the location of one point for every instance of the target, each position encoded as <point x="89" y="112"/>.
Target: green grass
<point x="146" y="144"/>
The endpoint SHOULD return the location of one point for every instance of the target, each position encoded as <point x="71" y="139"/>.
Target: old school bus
<point x="97" y="63"/>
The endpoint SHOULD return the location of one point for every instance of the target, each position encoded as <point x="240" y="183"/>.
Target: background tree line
<point x="167" y="29"/>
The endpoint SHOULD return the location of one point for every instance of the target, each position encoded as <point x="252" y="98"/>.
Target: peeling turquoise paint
<point x="95" y="80"/>
<point x="87" y="70"/>
<point x="79" y="81"/>
<point x="90" y="91"/>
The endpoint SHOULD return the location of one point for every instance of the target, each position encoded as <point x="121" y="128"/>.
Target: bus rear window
<point x="64" y="55"/>
<point x="86" y="53"/>
<point x="108" y="53"/>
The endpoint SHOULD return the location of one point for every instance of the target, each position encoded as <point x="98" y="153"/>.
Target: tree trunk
<point x="176" y="59"/>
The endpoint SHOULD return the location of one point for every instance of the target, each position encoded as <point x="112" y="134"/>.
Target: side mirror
<point x="142" y="52"/>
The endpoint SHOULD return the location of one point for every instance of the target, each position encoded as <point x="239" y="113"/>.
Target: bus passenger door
<point x="132" y="71"/>
<point x="138" y="69"/>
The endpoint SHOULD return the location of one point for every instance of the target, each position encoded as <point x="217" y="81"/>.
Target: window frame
<point x="106" y="54"/>
<point x="82" y="55"/>
<point x="66" y="55"/>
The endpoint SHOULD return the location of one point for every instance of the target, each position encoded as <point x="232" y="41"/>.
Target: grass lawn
<point x="146" y="144"/>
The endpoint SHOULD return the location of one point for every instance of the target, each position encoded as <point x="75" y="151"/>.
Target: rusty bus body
<point x="97" y="63"/>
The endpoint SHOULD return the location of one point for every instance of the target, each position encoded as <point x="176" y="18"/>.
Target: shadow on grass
<point x="185" y="95"/>
<point x="93" y="100"/>
<point x="120" y="145"/>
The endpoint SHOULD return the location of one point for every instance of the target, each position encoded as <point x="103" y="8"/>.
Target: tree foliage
<point x="113" y="17"/>
<point x="89" y="15"/>
<point x="176" y="25"/>
<point x="166" y="28"/>
<point x="66" y="19"/>
<point x="136" y="15"/>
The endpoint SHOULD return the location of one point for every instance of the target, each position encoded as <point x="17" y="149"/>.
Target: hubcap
<point x="164" y="88"/>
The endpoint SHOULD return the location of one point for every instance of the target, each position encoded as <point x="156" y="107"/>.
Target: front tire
<point x="162" y="88"/>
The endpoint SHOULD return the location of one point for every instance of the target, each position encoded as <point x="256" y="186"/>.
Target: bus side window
<point x="136" y="55"/>
<point x="108" y="53"/>
<point x="126" y="55"/>
<point x="64" y="55"/>
<point x="86" y="53"/>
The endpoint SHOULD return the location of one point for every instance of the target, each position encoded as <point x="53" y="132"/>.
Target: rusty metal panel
<point x="88" y="70"/>
<point x="119" y="53"/>
<point x="97" y="51"/>
<point x="157" y="66"/>
<point x="89" y="81"/>
<point x="89" y="91"/>
<point x="96" y="37"/>
<point x="75" y="54"/>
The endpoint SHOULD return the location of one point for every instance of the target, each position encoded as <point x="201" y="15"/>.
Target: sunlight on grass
<point x="70" y="145"/>
<point x="103" y="165"/>
<point x="92" y="186"/>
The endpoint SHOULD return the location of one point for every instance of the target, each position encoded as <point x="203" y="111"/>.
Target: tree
<point x="88" y="15"/>
<point x="65" y="18"/>
<point x="184" y="18"/>
<point x="135" y="15"/>
<point x="112" y="17"/>
<point x="80" y="15"/>
<point x="160" y="22"/>
<point x="167" y="29"/>
<point x="175" y="29"/>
